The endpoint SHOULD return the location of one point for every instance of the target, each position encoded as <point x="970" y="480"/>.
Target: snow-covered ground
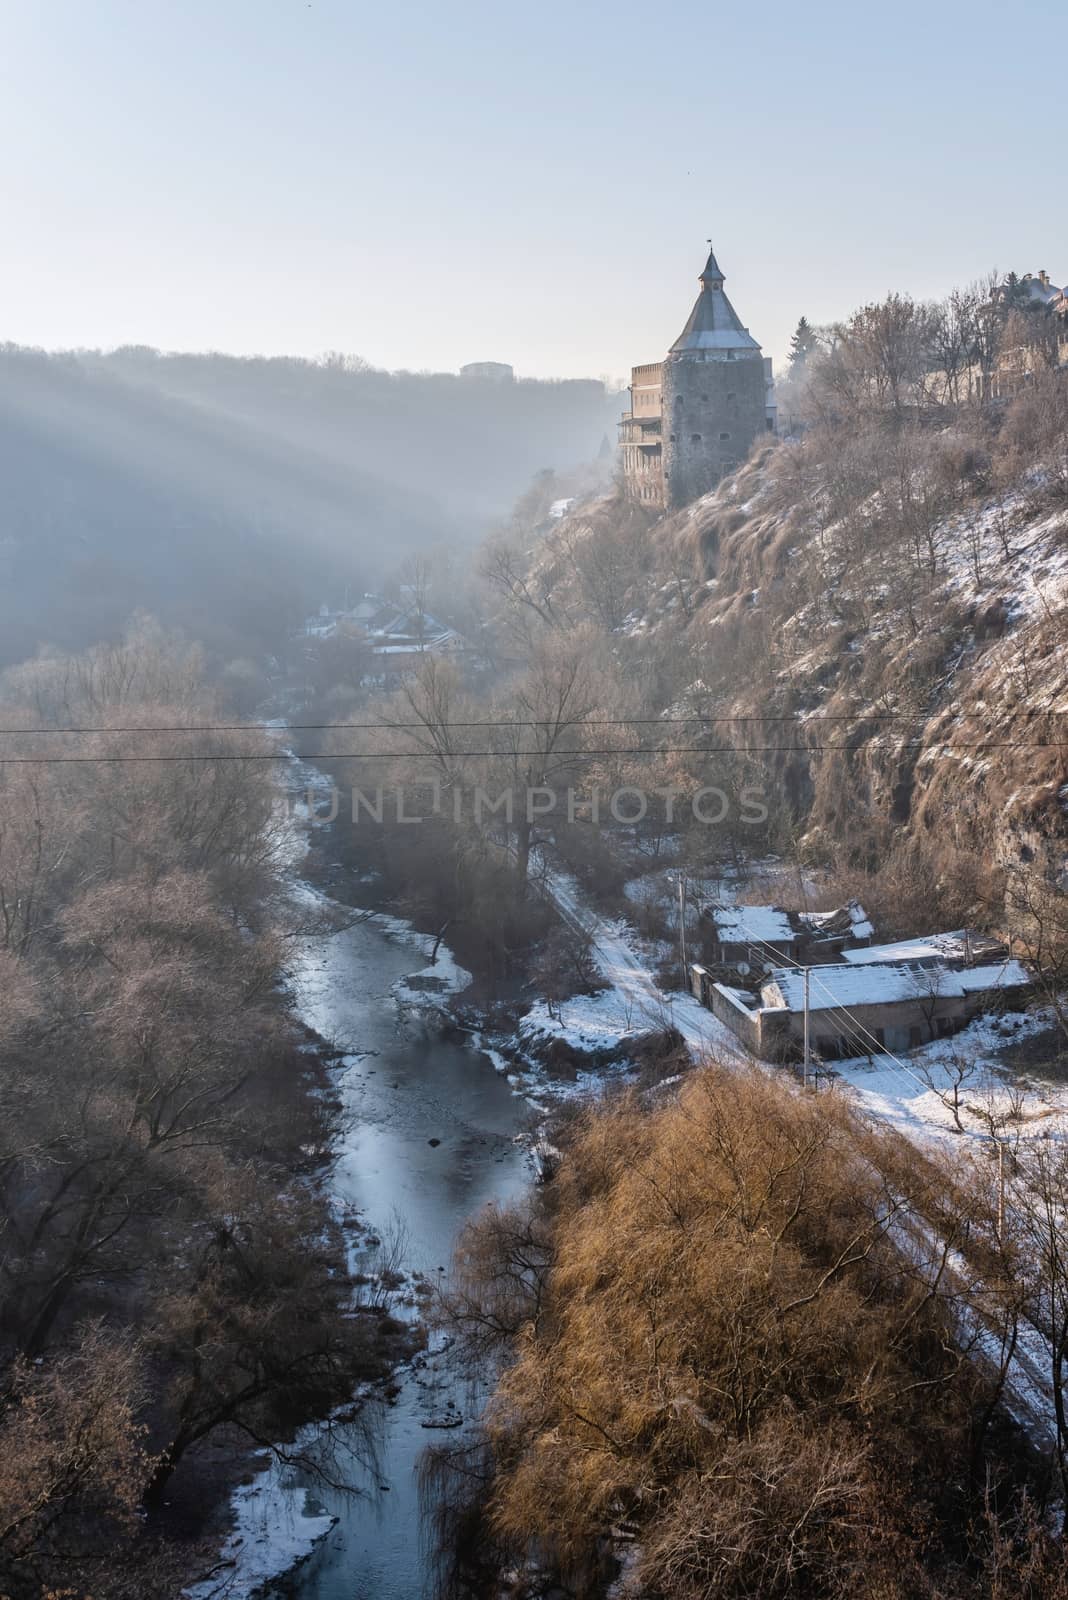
<point x="632" y="1003"/>
<point x="915" y="1092"/>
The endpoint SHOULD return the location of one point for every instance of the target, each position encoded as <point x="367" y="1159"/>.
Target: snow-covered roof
<point x="851" y="916"/>
<point x="834" y="987"/>
<point x="741" y="997"/>
<point x="956" y="946"/>
<point x="999" y="975"/>
<point x="831" y="987"/>
<point x="736" y="924"/>
<point x="902" y="950"/>
<point x="413" y="621"/>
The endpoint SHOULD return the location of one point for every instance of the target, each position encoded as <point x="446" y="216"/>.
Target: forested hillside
<point x="232" y="496"/>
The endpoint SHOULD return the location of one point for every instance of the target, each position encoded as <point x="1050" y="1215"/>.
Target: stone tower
<point x="714" y="400"/>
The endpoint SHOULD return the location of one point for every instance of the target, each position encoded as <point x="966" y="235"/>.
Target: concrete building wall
<point x="713" y="409"/>
<point x="897" y="1027"/>
<point x="640" y="437"/>
<point x="642" y="475"/>
<point x="645" y="389"/>
<point x="745" y="1024"/>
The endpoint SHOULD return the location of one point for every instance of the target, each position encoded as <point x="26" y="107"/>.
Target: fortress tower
<point x="694" y="416"/>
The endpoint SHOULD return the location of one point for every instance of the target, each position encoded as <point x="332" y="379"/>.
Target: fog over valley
<point x="232" y="495"/>
<point x="533" y="909"/>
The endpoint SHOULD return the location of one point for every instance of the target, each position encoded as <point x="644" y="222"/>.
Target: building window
<point x="695" y="438"/>
<point x="724" y="435"/>
<point x="732" y="397"/>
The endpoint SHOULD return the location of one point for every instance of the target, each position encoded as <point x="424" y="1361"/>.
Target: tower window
<point x="732" y="397"/>
<point x="724" y="435"/>
<point x="695" y="438"/>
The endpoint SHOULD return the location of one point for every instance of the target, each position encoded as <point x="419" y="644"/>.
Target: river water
<point x="405" y="1087"/>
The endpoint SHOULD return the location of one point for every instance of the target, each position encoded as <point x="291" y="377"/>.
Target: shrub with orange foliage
<point x="716" y="1340"/>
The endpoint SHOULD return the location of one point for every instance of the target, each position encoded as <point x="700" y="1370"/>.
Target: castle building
<point x="694" y="415"/>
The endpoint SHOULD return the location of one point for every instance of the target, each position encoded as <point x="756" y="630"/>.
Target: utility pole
<point x="1001" y="1192"/>
<point x="682" y="921"/>
<point x="808" y="1051"/>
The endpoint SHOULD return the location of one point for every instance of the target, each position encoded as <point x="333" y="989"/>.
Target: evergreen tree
<point x="803" y="343"/>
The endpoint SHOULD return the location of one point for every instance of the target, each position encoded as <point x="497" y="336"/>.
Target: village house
<point x="398" y="636"/>
<point x="964" y="948"/>
<point x="861" y="998"/>
<point x="1045" y="308"/>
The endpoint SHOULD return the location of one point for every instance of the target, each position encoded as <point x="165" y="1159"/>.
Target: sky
<point x="424" y="185"/>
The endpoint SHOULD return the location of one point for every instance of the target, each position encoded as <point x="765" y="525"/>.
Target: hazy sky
<point x="429" y="184"/>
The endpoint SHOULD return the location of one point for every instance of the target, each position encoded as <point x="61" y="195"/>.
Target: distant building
<point x="398" y="637"/>
<point x="1034" y="288"/>
<point x="694" y="416"/>
<point x="494" y="371"/>
<point x="1044" y="330"/>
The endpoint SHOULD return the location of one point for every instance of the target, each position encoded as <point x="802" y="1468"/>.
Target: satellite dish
<point x="742" y="968"/>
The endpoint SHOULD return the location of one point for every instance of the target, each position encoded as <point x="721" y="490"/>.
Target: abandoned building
<point x="753" y="938"/>
<point x="857" y="1010"/>
<point x="861" y="998"/>
<point x="694" y="415"/>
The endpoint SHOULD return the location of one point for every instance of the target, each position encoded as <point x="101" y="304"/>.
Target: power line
<point x="799" y="718"/>
<point x="508" y="755"/>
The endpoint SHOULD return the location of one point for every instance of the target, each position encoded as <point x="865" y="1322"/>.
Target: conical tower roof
<point x="714" y="324"/>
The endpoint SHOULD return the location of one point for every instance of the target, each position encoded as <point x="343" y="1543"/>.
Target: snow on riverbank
<point x="438" y="981"/>
<point x="277" y="1521"/>
<point x="276" y="1526"/>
